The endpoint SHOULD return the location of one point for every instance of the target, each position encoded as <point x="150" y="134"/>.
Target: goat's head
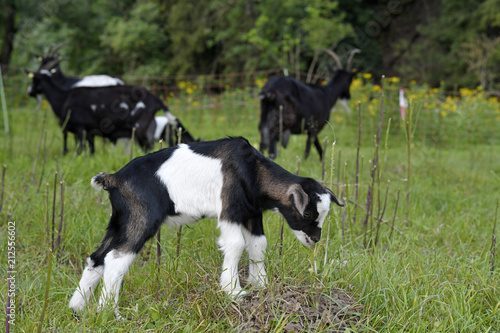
<point x="306" y="210"/>
<point x="35" y="86"/>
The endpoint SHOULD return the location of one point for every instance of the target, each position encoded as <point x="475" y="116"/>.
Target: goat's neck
<point x="332" y="92"/>
<point x="54" y="94"/>
<point x="274" y="182"/>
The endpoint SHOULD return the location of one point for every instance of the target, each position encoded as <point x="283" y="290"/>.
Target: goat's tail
<point x="102" y="181"/>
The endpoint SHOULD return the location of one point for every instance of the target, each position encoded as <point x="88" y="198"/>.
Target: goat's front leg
<point x="90" y="278"/>
<point x="256" y="247"/>
<point x="231" y="244"/>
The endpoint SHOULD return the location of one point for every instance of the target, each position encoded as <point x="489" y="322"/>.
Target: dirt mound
<point x="291" y="308"/>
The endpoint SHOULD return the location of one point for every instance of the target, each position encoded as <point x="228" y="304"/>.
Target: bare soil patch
<point x="298" y="309"/>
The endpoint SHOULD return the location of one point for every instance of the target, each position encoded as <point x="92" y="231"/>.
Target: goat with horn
<point x="289" y="106"/>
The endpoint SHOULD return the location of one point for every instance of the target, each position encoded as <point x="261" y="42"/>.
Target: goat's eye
<point x="307" y="215"/>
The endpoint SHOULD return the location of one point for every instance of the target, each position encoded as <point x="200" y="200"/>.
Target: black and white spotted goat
<point x="226" y="179"/>
<point x="112" y="112"/>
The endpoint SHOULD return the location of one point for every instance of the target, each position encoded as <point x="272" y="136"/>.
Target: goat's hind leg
<point x="116" y="265"/>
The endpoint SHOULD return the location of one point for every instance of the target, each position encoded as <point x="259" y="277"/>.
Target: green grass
<point x="432" y="275"/>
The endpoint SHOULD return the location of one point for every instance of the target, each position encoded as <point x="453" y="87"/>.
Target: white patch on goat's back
<point x="93" y="107"/>
<point x="98" y="81"/>
<point x="194" y="183"/>
<point x="124" y="105"/>
<point x="323" y="207"/>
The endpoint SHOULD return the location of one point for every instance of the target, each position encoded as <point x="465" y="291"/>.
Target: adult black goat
<point x="111" y="112"/>
<point x="289" y="106"/>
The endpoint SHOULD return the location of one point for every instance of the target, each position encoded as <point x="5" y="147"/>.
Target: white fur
<point x="256" y="248"/>
<point x="90" y="278"/>
<point x="45" y="72"/>
<point x="303" y="238"/>
<point x="116" y="265"/>
<point x="97" y="81"/>
<point x="161" y="123"/>
<point x="171" y="118"/>
<point x="231" y="244"/>
<point x="124" y="105"/>
<point x="95" y="184"/>
<point x="93" y="107"/>
<point x="140" y="105"/>
<point x="323" y="207"/>
<point x="194" y="183"/>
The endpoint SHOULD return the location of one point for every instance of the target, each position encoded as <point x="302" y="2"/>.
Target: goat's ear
<point x="298" y="197"/>
<point x="334" y="198"/>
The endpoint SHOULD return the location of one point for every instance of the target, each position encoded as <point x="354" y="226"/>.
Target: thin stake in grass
<point x="46" y="296"/>
<point x="493" y="242"/>
<point x="53" y="212"/>
<point x="332" y="168"/>
<point x="4" y="169"/>
<point x="132" y="138"/>
<point x="61" y="215"/>
<point x="357" y="163"/>
<point x="393" y="221"/>
<point x="323" y="161"/>
<point x="47" y="232"/>
<point x="381" y="216"/>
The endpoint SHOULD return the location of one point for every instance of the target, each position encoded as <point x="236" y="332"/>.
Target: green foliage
<point x="137" y="38"/>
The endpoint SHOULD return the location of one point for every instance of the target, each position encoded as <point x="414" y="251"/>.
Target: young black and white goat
<point x="304" y="108"/>
<point x="226" y="179"/>
<point x="110" y="112"/>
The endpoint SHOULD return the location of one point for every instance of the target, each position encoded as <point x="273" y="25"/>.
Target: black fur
<point x="89" y="112"/>
<point x="305" y="109"/>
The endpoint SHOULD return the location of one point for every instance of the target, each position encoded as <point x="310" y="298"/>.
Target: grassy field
<point x="422" y="262"/>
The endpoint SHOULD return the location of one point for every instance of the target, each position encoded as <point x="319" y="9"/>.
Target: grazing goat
<point x="110" y="112"/>
<point x="226" y="179"/>
<point x="289" y="106"/>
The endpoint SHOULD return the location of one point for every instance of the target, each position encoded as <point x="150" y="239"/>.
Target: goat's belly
<point x="184" y="219"/>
